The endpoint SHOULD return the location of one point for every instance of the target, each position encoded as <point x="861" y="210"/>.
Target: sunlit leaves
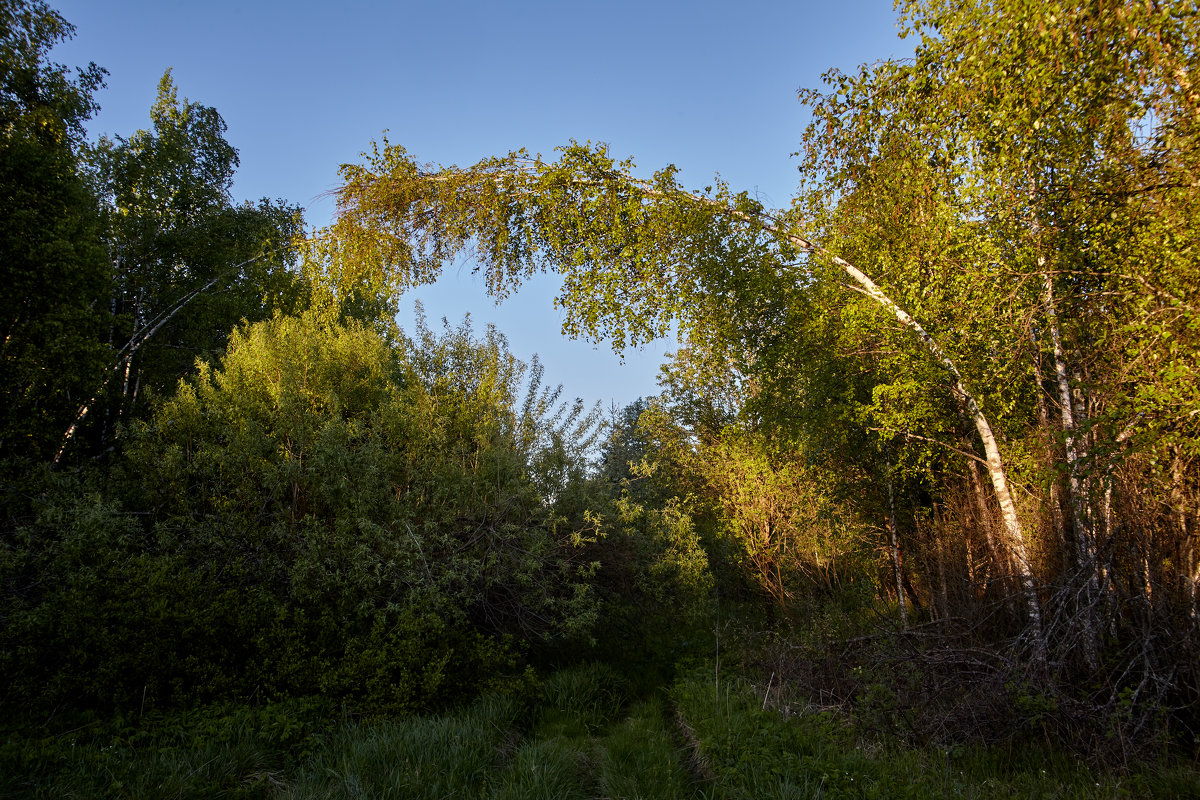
<point x="633" y="253"/>
<point x="183" y="254"/>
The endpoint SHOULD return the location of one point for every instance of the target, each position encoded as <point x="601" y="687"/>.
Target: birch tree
<point x="635" y="255"/>
<point x="186" y="262"/>
<point x="1014" y="203"/>
<point x="51" y="260"/>
<point x="1066" y="134"/>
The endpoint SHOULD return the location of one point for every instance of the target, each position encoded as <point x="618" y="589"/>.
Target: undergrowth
<point x="751" y="750"/>
<point x="584" y="734"/>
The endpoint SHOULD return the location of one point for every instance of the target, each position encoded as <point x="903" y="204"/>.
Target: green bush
<point x="323" y="511"/>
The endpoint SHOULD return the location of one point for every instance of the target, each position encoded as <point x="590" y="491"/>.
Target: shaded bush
<point x="324" y="511"/>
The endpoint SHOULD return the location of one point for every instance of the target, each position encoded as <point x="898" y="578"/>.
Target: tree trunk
<point x="897" y="564"/>
<point x="1085" y="544"/>
<point x="1187" y="545"/>
<point x="141" y="335"/>
<point x="1014" y="536"/>
<point x="1056" y="511"/>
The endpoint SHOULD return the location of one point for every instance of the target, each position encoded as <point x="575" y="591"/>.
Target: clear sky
<point x="307" y="86"/>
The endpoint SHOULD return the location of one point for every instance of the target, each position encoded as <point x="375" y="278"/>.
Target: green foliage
<point x="1022" y="192"/>
<point x="86" y="333"/>
<point x="85" y="606"/>
<point x="635" y="255"/>
<point x="51" y="260"/>
<point x="788" y="534"/>
<point x="321" y="512"/>
<point x="39" y="97"/>
<point x="772" y="524"/>
<point x="653" y="583"/>
<point x="327" y="507"/>
<point x="751" y="751"/>
<point x="188" y="264"/>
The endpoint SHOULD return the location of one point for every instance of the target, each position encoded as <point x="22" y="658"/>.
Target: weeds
<point x="585" y="738"/>
<point x="638" y="758"/>
<point x="757" y="752"/>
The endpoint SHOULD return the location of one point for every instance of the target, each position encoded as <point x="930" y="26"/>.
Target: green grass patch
<point x="545" y="769"/>
<point x="419" y="758"/>
<point x="638" y="758"/>
<point x="751" y="752"/>
<point x="580" y="700"/>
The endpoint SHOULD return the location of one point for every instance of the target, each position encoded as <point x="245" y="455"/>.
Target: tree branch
<point x="126" y="353"/>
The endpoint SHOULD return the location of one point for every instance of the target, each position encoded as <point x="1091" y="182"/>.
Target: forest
<point x="916" y="512"/>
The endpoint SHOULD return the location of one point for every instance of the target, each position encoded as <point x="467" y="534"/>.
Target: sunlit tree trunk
<point x="1056" y="512"/>
<point x="1084" y="538"/>
<point x="1190" y="572"/>
<point x="1014" y="536"/>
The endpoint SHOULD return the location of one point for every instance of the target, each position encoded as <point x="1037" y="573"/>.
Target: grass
<point x="752" y="752"/>
<point x="585" y="737"/>
<point x="580" y="700"/>
<point x="419" y="758"/>
<point x="234" y="752"/>
<point x="544" y="769"/>
<point x="638" y="758"/>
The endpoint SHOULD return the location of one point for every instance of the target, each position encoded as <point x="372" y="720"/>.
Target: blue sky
<point x="306" y="86"/>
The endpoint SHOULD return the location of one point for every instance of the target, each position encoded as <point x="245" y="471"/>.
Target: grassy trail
<point x="585" y="738"/>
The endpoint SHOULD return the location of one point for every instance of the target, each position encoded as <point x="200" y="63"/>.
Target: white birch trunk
<point x="125" y="356"/>
<point x="1056" y="512"/>
<point x="1014" y="536"/>
<point x="1085" y="544"/>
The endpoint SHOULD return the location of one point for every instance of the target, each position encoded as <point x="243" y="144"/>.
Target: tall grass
<point x="638" y="759"/>
<point x="547" y="769"/>
<point x="215" y="751"/>
<point x="580" y="700"/>
<point x="416" y="758"/>
<point x="752" y="752"/>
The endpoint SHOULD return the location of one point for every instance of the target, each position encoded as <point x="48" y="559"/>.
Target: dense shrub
<point x="324" y="510"/>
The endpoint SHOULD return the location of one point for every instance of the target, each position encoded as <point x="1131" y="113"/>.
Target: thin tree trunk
<point x="897" y="564"/>
<point x="1085" y="545"/>
<point x="969" y="558"/>
<point x="985" y="521"/>
<point x="913" y="597"/>
<point x="1191" y="569"/>
<point x="112" y="335"/>
<point x="1056" y="513"/>
<point x="1000" y="557"/>
<point x="125" y="357"/>
<point x="1014" y="538"/>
